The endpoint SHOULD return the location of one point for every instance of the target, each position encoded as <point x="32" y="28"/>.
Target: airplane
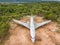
<point x="32" y="26"/>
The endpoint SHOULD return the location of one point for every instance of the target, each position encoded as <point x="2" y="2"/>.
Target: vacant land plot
<point x="45" y="35"/>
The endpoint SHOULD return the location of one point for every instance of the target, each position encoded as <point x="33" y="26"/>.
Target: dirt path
<point x="45" y="35"/>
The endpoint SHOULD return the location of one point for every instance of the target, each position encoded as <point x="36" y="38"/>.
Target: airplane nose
<point x="33" y="40"/>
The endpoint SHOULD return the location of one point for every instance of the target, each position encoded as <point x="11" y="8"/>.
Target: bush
<point x="51" y="17"/>
<point x="4" y="27"/>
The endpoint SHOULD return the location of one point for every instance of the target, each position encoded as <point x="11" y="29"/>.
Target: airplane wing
<point x="21" y="23"/>
<point x="41" y="24"/>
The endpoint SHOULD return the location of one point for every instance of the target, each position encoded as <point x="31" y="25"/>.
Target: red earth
<point x="45" y="35"/>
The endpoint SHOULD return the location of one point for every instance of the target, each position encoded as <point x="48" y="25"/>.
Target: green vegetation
<point x="49" y="10"/>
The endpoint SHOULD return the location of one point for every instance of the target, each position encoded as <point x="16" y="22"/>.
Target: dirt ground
<point x="45" y="35"/>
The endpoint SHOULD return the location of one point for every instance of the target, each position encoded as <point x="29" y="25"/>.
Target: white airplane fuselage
<point x="32" y="26"/>
<point x="32" y="29"/>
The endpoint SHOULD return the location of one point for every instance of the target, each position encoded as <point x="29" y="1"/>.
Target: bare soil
<point x="45" y="35"/>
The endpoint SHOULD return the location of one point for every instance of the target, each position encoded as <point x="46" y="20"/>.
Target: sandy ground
<point x="45" y="35"/>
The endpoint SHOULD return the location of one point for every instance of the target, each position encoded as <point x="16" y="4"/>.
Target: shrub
<point x="4" y="27"/>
